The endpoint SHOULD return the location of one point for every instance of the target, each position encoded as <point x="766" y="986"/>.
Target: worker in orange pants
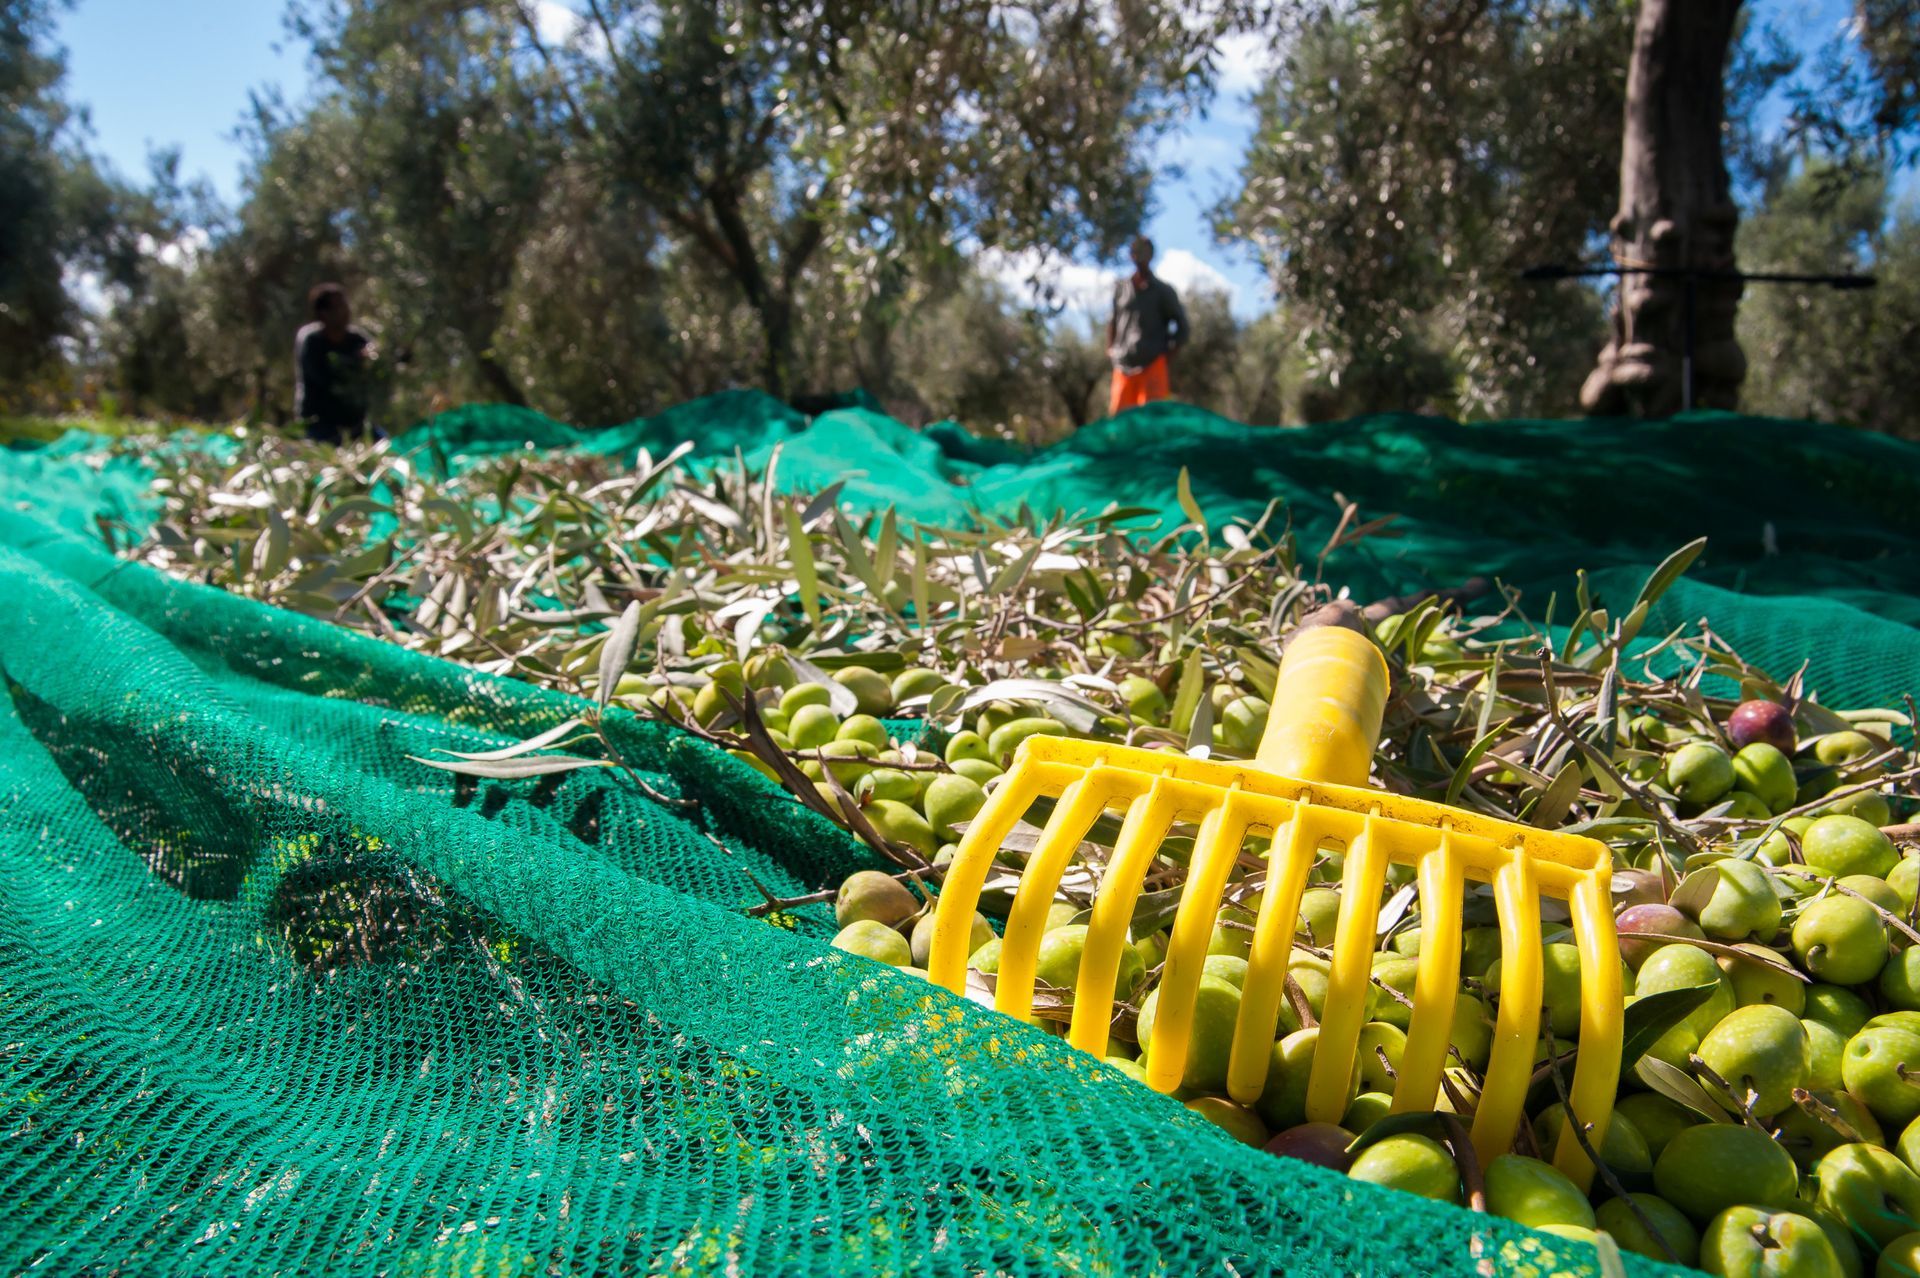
<point x="1130" y="390"/>
<point x="1146" y="327"/>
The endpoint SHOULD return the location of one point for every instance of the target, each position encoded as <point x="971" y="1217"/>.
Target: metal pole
<point x="1691" y="278"/>
<point x="1686" y="357"/>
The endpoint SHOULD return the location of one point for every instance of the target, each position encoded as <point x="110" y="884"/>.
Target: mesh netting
<point x="1814" y="551"/>
<point x="274" y="998"/>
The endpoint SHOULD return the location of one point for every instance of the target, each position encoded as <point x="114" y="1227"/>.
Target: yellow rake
<point x="1305" y="789"/>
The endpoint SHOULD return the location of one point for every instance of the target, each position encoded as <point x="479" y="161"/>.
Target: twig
<point x="614" y="756"/>
<point x="1701" y="1068"/>
<point x="1819" y="1109"/>
<point x="1812" y="806"/>
<point x="1731" y="951"/>
<point x="1600" y="760"/>
<point x="1835" y="885"/>
<point x="1579" y="1129"/>
<point x="1466" y="1159"/>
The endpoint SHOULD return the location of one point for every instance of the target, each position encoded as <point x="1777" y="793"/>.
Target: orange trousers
<point x="1130" y="390"/>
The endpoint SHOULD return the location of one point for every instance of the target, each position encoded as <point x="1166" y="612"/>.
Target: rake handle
<point x="1328" y="701"/>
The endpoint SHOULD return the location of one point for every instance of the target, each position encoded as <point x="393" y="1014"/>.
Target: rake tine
<point x="1437" y="986"/>
<point x="1347" y="980"/>
<point x="1517" y="1029"/>
<point x="1148" y="820"/>
<point x="1445" y="847"/>
<point x="1215" y="848"/>
<point x="1268" y="959"/>
<point x="1597" y="1070"/>
<point x="960" y="892"/>
<point x="1081" y="804"/>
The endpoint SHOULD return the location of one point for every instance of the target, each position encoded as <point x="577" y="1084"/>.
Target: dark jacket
<point x="1146" y="322"/>
<point x="329" y="389"/>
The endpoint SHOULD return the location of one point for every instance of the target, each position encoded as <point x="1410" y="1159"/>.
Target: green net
<point x="1814" y="550"/>
<point x="274" y="997"/>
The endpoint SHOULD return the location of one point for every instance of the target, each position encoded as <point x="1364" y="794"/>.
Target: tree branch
<point x="531" y="26"/>
<point x="808" y="233"/>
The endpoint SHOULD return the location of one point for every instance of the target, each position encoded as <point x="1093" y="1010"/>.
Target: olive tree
<point x="763" y="132"/>
<point x="1410" y="160"/>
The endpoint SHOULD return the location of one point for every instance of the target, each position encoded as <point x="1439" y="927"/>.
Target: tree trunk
<point x="776" y="321"/>
<point x="1676" y="212"/>
<point x="499" y="380"/>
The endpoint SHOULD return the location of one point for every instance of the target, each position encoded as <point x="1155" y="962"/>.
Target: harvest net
<point x="274" y="998"/>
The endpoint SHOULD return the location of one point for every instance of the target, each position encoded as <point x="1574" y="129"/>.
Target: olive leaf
<point x="746" y="628"/>
<point x="1077" y="712"/>
<point x="1421" y="1122"/>
<point x="1396" y="909"/>
<point x="1652" y="1015"/>
<point x="840" y="698"/>
<point x="1260" y="672"/>
<point x="1669" y="571"/>
<point x="922" y="592"/>
<point x="618" y="652"/>
<point x="1612" y="1265"/>
<point x="1679" y="1087"/>
<point x="1187" y="694"/>
<point x="1011" y="576"/>
<point x="271" y="551"/>
<point x="823" y="502"/>
<point x="512" y="769"/>
<point x="1183" y="491"/>
<point x="800" y="547"/>
<point x="1551" y="810"/>
<point x="541" y="742"/>
<point x="884" y="662"/>
<point x="350" y="508"/>
<point x="1696" y="891"/>
<point x="1153" y="911"/>
<point x="1200" y="733"/>
<point x="1464" y="770"/>
<point x="1121" y="514"/>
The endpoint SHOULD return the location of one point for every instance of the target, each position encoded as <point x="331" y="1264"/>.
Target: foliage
<point x="973" y="356"/>
<point x="538" y="565"/>
<point x="1861" y="100"/>
<point x="1408" y="165"/>
<point x="661" y="201"/>
<point x="60" y="214"/>
<point x="453" y="144"/>
<point x="761" y="131"/>
<point x="1813" y="352"/>
<point x="34" y="307"/>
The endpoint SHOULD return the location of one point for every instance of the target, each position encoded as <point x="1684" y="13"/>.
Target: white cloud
<point x="1074" y="286"/>
<point x="1083" y="290"/>
<point x="1245" y="59"/>
<point x="555" y="22"/>
<point x="88" y="290"/>
<point x="182" y="250"/>
<point x="1186" y="272"/>
<point x="562" y="25"/>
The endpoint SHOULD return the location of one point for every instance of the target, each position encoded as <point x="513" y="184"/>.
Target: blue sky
<point x="178" y="73"/>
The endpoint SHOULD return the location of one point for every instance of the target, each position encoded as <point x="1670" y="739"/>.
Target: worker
<point x="1147" y="326"/>
<point x="330" y="364"/>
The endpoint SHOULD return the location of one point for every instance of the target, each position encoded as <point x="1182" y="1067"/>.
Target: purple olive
<point x="1766" y="721"/>
<point x="1638" y="887"/>
<point x="1637" y="919"/>
<point x="1321" y="1144"/>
